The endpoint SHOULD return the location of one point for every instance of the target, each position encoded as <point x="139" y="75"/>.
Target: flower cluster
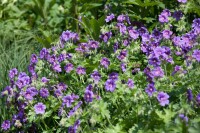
<point x="69" y="82"/>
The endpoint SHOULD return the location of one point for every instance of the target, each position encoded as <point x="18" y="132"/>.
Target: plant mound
<point x="130" y="80"/>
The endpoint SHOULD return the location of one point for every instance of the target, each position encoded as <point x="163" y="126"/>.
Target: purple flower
<point x="40" y="108"/>
<point x="20" y="83"/>
<point x="167" y="34"/>
<point x="34" y="58"/>
<point x="178" y="15"/>
<point x="5" y="125"/>
<point x="133" y="33"/>
<point x="189" y="95"/>
<point x="12" y="73"/>
<point x="130" y="83"/>
<point x="28" y="94"/>
<point x="109" y="17"/>
<point x="57" y="68"/>
<point x="96" y="76"/>
<point x="71" y="112"/>
<point x="122" y="55"/>
<point x="198" y="99"/>
<point x="93" y="44"/>
<point x="123" y="67"/>
<point x="122" y="18"/>
<point x="61" y="86"/>
<point x="163" y="98"/>
<point x="126" y="42"/>
<point x="45" y="80"/>
<point x="31" y="68"/>
<point x="80" y="70"/>
<point x="7" y="91"/>
<point x="154" y="61"/>
<point x="74" y="128"/>
<point x="176" y="69"/>
<point x="52" y="59"/>
<point x="105" y="62"/>
<point x="142" y="31"/>
<point x="67" y="100"/>
<point x="116" y="46"/>
<point x="44" y="92"/>
<point x="66" y="35"/>
<point x="158" y="51"/>
<point x="110" y="85"/>
<point x="83" y="47"/>
<point x="61" y="57"/>
<point x="150" y="89"/>
<point x="113" y="76"/>
<point x="88" y="97"/>
<point x="157" y="35"/>
<point x="163" y="18"/>
<point x="43" y="53"/>
<point x="182" y="1"/>
<point x="183" y="117"/>
<point x="58" y="93"/>
<point x="122" y="28"/>
<point x="157" y="72"/>
<point x="106" y="36"/>
<point x="196" y="55"/>
<point x="196" y="25"/>
<point x="166" y="12"/>
<point x="145" y="37"/>
<point x="69" y="67"/>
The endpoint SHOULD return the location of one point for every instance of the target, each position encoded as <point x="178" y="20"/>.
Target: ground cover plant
<point x="128" y="79"/>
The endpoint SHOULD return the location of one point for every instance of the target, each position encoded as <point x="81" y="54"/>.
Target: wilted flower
<point x="163" y="98"/>
<point x="40" y="108"/>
